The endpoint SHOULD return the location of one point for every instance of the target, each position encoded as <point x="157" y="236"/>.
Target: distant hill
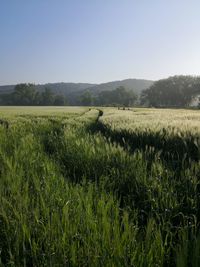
<point x="67" y="88"/>
<point x="6" y="89"/>
<point x="137" y="85"/>
<point x="57" y="88"/>
<point x="72" y="91"/>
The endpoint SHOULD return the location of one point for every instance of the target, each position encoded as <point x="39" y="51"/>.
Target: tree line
<point x="117" y="97"/>
<point x="176" y="91"/>
<point x="173" y="92"/>
<point x="26" y="95"/>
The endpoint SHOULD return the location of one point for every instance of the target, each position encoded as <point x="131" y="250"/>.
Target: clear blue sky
<point x="97" y="40"/>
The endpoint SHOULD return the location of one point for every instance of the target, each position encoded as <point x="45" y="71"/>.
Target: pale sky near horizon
<point x="98" y="40"/>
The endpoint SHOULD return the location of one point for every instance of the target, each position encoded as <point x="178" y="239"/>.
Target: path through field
<point x="99" y="187"/>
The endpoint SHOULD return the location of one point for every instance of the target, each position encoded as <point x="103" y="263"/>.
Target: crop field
<point x="99" y="187"/>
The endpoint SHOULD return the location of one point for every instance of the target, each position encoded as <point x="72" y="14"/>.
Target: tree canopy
<point x="86" y="98"/>
<point x="118" y="97"/>
<point x="176" y="91"/>
<point x="25" y="94"/>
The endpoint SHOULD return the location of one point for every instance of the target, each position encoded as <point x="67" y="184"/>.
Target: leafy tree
<point x="59" y="100"/>
<point x="199" y="102"/>
<point x="176" y="91"/>
<point x="6" y="99"/>
<point x="47" y="97"/>
<point x="86" y="98"/>
<point x="119" y="96"/>
<point x="25" y="94"/>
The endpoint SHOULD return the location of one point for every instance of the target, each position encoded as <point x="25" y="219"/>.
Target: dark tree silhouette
<point x="176" y="91"/>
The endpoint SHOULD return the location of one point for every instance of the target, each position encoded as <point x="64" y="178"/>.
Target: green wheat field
<point x="99" y="187"/>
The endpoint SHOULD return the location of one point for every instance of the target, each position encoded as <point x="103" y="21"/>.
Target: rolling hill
<point x="72" y="91"/>
<point x="137" y="85"/>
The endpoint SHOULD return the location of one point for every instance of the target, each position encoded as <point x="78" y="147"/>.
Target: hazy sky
<point x="97" y="40"/>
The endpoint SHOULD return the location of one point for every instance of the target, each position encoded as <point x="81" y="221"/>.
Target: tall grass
<point x="174" y="133"/>
<point x="74" y="197"/>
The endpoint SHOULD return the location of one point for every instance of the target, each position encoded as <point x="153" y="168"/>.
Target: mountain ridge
<point x="63" y="88"/>
<point x="137" y="85"/>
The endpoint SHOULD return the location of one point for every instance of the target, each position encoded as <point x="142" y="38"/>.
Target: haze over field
<point x="97" y="41"/>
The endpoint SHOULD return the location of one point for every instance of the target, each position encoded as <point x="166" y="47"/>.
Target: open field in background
<point x="175" y="133"/>
<point x="40" y="111"/>
<point x="99" y="187"/>
<point x="145" y="119"/>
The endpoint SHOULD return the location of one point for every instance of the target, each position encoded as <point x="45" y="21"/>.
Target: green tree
<point x="86" y="98"/>
<point x="47" y="97"/>
<point x="120" y="96"/>
<point x="59" y="100"/>
<point x="25" y="94"/>
<point x="176" y="91"/>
